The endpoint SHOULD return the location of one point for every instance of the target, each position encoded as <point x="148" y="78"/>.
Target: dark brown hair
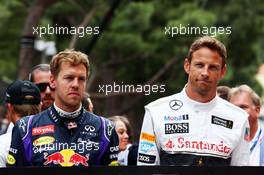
<point x="211" y="43"/>
<point x="125" y="120"/>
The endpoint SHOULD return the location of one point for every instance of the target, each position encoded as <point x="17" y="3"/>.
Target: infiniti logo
<point x="89" y="128"/>
<point x="175" y="104"/>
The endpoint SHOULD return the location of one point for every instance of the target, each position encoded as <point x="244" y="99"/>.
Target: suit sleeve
<point x="241" y="154"/>
<point x="16" y="155"/>
<point x="148" y="153"/>
<point x="111" y="154"/>
<point x="4" y="147"/>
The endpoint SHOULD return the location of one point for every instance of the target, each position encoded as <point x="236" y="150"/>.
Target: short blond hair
<point x="245" y="88"/>
<point x="71" y="56"/>
<point x="26" y="109"/>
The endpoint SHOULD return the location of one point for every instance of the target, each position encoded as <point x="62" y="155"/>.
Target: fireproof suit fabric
<point x="46" y="140"/>
<point x="179" y="131"/>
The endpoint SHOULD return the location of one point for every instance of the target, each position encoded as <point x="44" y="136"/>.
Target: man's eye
<point x="214" y="68"/>
<point x="68" y="78"/>
<point x="82" y="79"/>
<point x="198" y="65"/>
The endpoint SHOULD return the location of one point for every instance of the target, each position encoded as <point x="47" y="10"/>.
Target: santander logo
<point x="43" y="130"/>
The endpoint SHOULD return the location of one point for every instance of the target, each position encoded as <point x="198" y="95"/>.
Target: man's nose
<point x="48" y="90"/>
<point x="75" y="82"/>
<point x="205" y="71"/>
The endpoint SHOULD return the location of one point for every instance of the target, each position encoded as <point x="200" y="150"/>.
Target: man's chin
<point x="204" y="91"/>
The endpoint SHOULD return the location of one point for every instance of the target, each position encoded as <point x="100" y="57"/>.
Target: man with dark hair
<point x="87" y="103"/>
<point x="65" y="134"/>
<point x="196" y="127"/>
<point x="40" y="75"/>
<point x="22" y="98"/>
<point x="222" y="91"/>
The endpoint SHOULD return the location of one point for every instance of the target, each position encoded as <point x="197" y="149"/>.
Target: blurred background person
<point x="128" y="149"/>
<point x="222" y="91"/>
<point x="260" y="78"/>
<point x="22" y="99"/>
<point x="4" y="122"/>
<point x="246" y="98"/>
<point x="40" y="75"/>
<point x="87" y="102"/>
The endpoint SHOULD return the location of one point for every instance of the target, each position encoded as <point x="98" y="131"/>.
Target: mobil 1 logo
<point x="174" y="128"/>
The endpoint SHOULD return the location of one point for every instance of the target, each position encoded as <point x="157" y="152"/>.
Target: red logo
<point x="169" y="144"/>
<point x="55" y="158"/>
<point x="43" y="130"/>
<point x="66" y="158"/>
<point x="77" y="159"/>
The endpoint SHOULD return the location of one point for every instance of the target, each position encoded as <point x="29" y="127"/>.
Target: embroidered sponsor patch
<point x="13" y="150"/>
<point x="43" y="141"/>
<point x="146" y="146"/>
<point x="22" y="125"/>
<point x="10" y="159"/>
<point x="114" y="163"/>
<point x="146" y="158"/>
<point x="220" y="147"/>
<point x="175" y="104"/>
<point x="113" y="156"/>
<point x="169" y="144"/>
<point x="43" y="130"/>
<point x="170" y="118"/>
<point x="109" y="129"/>
<point x="173" y="128"/>
<point x="222" y="122"/>
<point x="114" y="148"/>
<point x="66" y="158"/>
<point x="147" y="137"/>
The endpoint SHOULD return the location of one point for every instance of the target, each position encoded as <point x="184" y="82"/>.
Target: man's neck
<point x="202" y="98"/>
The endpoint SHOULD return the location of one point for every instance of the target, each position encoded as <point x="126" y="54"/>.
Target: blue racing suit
<point x="46" y="139"/>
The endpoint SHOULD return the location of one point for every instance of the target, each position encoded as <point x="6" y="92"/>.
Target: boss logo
<point x="173" y="128"/>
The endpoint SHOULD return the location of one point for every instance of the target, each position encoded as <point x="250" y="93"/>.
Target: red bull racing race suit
<point x="46" y="139"/>
<point x="179" y="131"/>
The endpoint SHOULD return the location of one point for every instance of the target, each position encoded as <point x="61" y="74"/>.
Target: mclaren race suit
<point x="46" y="139"/>
<point x="180" y="131"/>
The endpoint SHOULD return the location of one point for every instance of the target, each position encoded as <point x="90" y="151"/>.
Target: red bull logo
<point x="77" y="159"/>
<point x="66" y="158"/>
<point x="55" y="158"/>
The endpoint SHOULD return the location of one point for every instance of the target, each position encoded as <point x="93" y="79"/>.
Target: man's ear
<point x="9" y="112"/>
<point x="257" y="109"/>
<point x="9" y="106"/>
<point x="186" y="65"/>
<point x="52" y="82"/>
<point x="223" y="71"/>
